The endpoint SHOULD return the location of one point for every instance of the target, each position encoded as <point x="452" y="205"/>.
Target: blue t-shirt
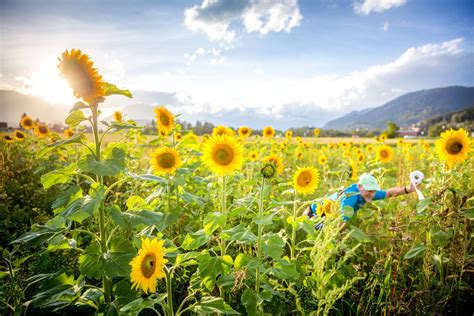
<point x="353" y="200"/>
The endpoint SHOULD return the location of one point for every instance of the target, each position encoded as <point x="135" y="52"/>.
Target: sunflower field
<point x="182" y="224"/>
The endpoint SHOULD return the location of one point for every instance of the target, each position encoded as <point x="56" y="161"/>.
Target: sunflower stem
<point x="170" y="292"/>
<point x="293" y="231"/>
<point x="222" y="242"/>
<point x="259" y="237"/>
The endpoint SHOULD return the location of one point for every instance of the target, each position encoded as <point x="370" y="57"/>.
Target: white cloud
<point x="385" y="26"/>
<point x="213" y="53"/>
<point x="214" y="17"/>
<point x="367" y="6"/>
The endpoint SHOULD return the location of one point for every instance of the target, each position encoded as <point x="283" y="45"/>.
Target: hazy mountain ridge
<point x="408" y="109"/>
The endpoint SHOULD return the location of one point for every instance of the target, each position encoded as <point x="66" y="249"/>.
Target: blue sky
<point x="280" y="62"/>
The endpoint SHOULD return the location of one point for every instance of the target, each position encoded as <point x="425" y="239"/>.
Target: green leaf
<point x="239" y="233"/>
<point x="191" y="198"/>
<point x="65" y="197"/>
<point x="469" y="213"/>
<point x="440" y="237"/>
<point x="42" y="233"/>
<point x="273" y="246"/>
<point x="210" y="304"/>
<point x="284" y="269"/>
<point x="135" y="202"/>
<point x="112" y="164"/>
<point x="110" y="89"/>
<point x="208" y="269"/>
<point x="84" y="207"/>
<point x="264" y="219"/>
<point x="75" y="139"/>
<point x="213" y="221"/>
<point x="359" y="235"/>
<point x="75" y="118"/>
<point x="118" y="257"/>
<point x="195" y="240"/>
<point x="136" y="219"/>
<point x="91" y="262"/>
<point x="422" y="206"/>
<point x="79" y="106"/>
<point x="416" y="251"/>
<point x="58" y="176"/>
<point x="123" y="125"/>
<point x="249" y="300"/>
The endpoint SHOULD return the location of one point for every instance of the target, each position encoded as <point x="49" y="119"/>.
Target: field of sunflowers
<point x="120" y="224"/>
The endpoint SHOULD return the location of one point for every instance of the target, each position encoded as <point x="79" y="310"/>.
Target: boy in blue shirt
<point x="366" y="190"/>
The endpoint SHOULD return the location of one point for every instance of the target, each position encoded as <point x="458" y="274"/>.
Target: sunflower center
<point x="148" y="265"/>
<point x="28" y="122"/>
<point x="304" y="178"/>
<point x="454" y="147"/>
<point x="383" y="154"/>
<point x="164" y="119"/>
<point x="166" y="160"/>
<point x="43" y="130"/>
<point x="223" y="154"/>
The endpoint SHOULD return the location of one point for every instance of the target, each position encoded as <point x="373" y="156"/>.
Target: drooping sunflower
<point x="118" y="117"/>
<point x="306" y="180"/>
<point x="19" y="135"/>
<point x="268" y="132"/>
<point x="288" y="134"/>
<point x="165" y="160"/>
<point x="316" y="132"/>
<point x="222" y="154"/>
<point x="277" y="161"/>
<point x="27" y="123"/>
<point x="8" y="139"/>
<point x="453" y="146"/>
<point x="41" y="130"/>
<point x="68" y="133"/>
<point x="164" y="120"/>
<point x="245" y="131"/>
<point x="148" y="265"/>
<point x="83" y="78"/>
<point x="327" y="208"/>
<point x="384" y="153"/>
<point x="222" y="130"/>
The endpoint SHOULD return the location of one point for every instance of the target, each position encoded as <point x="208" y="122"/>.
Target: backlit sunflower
<point x="164" y="120"/>
<point x="41" y="130"/>
<point x="118" y="117"/>
<point x="316" y="132"/>
<point x="384" y="153"/>
<point x="83" y="78"/>
<point x="68" y="133"/>
<point x="245" y="131"/>
<point x="222" y="154"/>
<point x="19" y="135"/>
<point x="277" y="161"/>
<point x="27" y="123"/>
<point x="148" y="265"/>
<point x="288" y="134"/>
<point x="268" y="132"/>
<point x="327" y="208"/>
<point x="8" y="139"/>
<point x="165" y="160"/>
<point x="306" y="180"/>
<point x="222" y="130"/>
<point x="453" y="146"/>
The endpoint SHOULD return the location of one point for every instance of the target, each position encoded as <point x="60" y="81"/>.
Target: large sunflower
<point x="222" y="154"/>
<point x="165" y="160"/>
<point x="277" y="161"/>
<point x="222" y="130"/>
<point x="27" y="123"/>
<point x="83" y="78"/>
<point x="268" y="132"/>
<point x="453" y="146"/>
<point x="306" y="180"/>
<point x="245" y="131"/>
<point x="148" y="265"/>
<point x="164" y="120"/>
<point x="19" y="135"/>
<point x="384" y="153"/>
<point x="41" y="130"/>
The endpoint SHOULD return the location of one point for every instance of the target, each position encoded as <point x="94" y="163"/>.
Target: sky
<point x="242" y="62"/>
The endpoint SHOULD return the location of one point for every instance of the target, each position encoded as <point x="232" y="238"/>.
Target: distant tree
<point x="391" y="128"/>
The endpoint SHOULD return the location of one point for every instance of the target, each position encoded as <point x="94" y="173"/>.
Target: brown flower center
<point x="383" y="154"/>
<point x="164" y="119"/>
<point x="223" y="154"/>
<point x="304" y="178"/>
<point x="454" y="147"/>
<point x="43" y="129"/>
<point x="166" y="160"/>
<point x="148" y="265"/>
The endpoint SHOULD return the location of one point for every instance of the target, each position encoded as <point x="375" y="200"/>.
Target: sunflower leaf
<point x="75" y="139"/>
<point x="112" y="164"/>
<point x="112" y="89"/>
<point x="211" y="305"/>
<point x="75" y="118"/>
<point x="195" y="240"/>
<point x="79" y="106"/>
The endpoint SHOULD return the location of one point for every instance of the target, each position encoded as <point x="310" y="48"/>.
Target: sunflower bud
<point x="268" y="170"/>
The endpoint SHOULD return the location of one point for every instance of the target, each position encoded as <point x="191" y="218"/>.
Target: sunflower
<point x="245" y="131"/>
<point x="205" y="138"/>
<point x="222" y="154"/>
<point x="327" y="208"/>
<point x="178" y="136"/>
<point x="165" y="160"/>
<point x="118" y="117"/>
<point x="354" y="170"/>
<point x="453" y="146"/>
<point x="268" y="132"/>
<point x="322" y="160"/>
<point x="253" y="155"/>
<point x="83" y="78"/>
<point x="316" y="132"/>
<point x="148" y="265"/>
<point x="27" y="123"/>
<point x="299" y="154"/>
<point x="222" y="130"/>
<point x="369" y="148"/>
<point x="8" y="139"/>
<point x="277" y="161"/>
<point x="426" y="145"/>
<point x="19" y="135"/>
<point x="306" y="180"/>
<point x="288" y="134"/>
<point x="384" y="153"/>
<point x="41" y="130"/>
<point x="68" y="133"/>
<point x="360" y="157"/>
<point x="400" y="142"/>
<point x="164" y="120"/>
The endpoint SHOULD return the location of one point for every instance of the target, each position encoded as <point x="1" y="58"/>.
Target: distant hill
<point x="408" y="109"/>
<point x="437" y="124"/>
